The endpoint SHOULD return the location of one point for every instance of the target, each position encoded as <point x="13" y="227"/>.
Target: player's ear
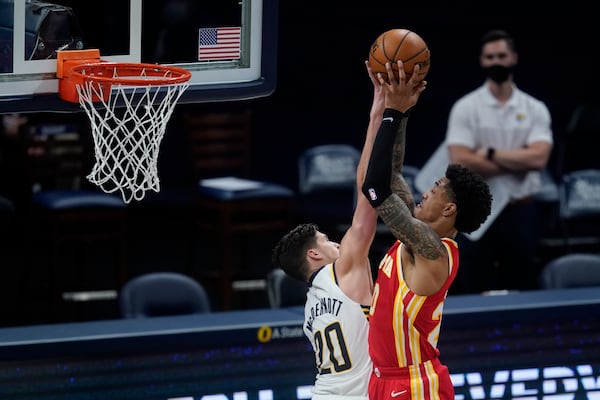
<point x="449" y="210"/>
<point x="313" y="254"/>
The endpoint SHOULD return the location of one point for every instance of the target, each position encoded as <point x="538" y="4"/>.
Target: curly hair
<point x="289" y="253"/>
<point x="472" y="196"/>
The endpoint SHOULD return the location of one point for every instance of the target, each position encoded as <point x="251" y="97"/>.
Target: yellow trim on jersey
<point x="433" y="378"/>
<point x="332" y="275"/>
<point x="413" y="309"/>
<point x="416" y="382"/>
<point x="398" y="320"/>
<point x="366" y="310"/>
<point x="447" y="242"/>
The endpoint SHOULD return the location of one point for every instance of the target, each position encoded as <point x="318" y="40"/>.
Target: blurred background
<point x="322" y="96"/>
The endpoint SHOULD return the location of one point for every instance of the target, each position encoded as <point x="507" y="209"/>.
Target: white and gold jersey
<point x="337" y="328"/>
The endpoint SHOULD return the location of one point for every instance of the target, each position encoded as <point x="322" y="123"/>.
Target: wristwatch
<point x="490" y="153"/>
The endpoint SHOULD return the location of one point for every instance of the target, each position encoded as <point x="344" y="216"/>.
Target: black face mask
<point x="498" y="73"/>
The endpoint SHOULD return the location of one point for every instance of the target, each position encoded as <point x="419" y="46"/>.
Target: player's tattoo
<point x="400" y="187"/>
<point x="397" y="210"/>
<point x="415" y="234"/>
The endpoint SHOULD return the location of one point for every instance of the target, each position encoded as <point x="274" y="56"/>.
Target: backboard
<point x="229" y="46"/>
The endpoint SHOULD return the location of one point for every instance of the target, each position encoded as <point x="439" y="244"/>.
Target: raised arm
<point x="398" y="184"/>
<point x="400" y="96"/>
<point x="352" y="267"/>
<point x="375" y="115"/>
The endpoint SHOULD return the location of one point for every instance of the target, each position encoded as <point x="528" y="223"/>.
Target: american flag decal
<point x="219" y="43"/>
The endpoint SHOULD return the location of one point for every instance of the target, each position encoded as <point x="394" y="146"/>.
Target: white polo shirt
<point x="477" y="120"/>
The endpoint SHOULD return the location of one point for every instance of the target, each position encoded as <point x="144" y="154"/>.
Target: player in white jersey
<point x="340" y="286"/>
<point x="337" y="327"/>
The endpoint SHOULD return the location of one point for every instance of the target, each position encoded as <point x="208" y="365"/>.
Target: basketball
<point x="400" y="44"/>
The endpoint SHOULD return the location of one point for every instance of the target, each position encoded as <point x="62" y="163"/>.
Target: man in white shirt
<point x="505" y="135"/>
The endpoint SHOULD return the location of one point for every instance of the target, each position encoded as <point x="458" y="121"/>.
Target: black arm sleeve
<point x="376" y="186"/>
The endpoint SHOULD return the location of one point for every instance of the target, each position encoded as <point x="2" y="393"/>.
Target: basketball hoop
<point x="129" y="106"/>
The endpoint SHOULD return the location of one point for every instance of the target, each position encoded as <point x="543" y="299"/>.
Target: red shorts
<point x="429" y="380"/>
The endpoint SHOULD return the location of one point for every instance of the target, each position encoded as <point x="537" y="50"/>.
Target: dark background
<point x="323" y="93"/>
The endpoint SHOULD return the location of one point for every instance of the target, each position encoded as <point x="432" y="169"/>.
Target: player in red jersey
<point x="415" y="274"/>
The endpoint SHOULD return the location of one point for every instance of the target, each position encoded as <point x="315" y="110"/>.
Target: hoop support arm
<point x="65" y="61"/>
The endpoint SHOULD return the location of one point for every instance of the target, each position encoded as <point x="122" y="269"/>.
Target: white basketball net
<point x="127" y="131"/>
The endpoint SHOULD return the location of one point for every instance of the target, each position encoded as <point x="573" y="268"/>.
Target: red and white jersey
<point x="404" y="327"/>
<point x="338" y="329"/>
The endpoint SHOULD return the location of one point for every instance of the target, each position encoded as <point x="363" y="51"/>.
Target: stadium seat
<point x="162" y="293"/>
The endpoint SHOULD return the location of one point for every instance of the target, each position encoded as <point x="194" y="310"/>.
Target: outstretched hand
<point x="401" y="94"/>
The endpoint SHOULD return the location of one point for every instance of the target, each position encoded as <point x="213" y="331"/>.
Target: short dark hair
<point x="498" y="34"/>
<point x="289" y="253"/>
<point x="472" y="196"/>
